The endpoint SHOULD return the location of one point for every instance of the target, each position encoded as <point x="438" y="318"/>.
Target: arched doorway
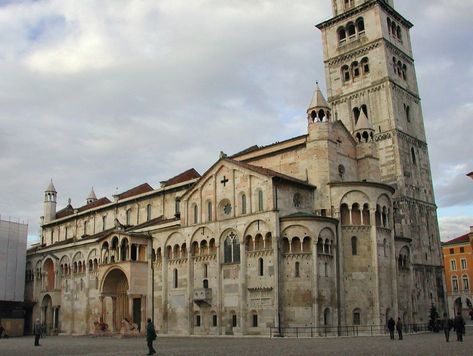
<point x="47" y="313"/>
<point x="115" y="286"/>
<point x="457" y="306"/>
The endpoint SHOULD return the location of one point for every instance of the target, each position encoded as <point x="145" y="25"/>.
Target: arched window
<point x="342" y="35"/>
<point x="209" y="211"/>
<point x="345" y="71"/>
<point x="285" y="245"/>
<point x="407" y="111"/>
<point x="413" y="155"/>
<point x="104" y="224"/>
<point x="399" y="68"/>
<point x="177" y="206"/>
<point x="345" y="214"/>
<point x="356" y="114"/>
<point x="206" y="283"/>
<point x="354" y="246"/>
<point x="243" y="204"/>
<point x="254" y="319"/>
<point x="148" y="212"/>
<point x="128" y="217"/>
<point x="355" y="69"/>
<point x="466" y="283"/>
<point x="306" y="245"/>
<point x="357" y="316"/>
<point x="231" y="249"/>
<point x="195" y="212"/>
<point x="176" y="280"/>
<point x="326" y="272"/>
<point x="234" y="320"/>
<point x="355" y="214"/>
<point x="214" y="319"/>
<point x="404" y="72"/>
<point x="260" y="200"/>
<point x="295" y="245"/>
<point x="351" y="30"/>
<point x="389" y="25"/>
<point x="297" y="272"/>
<point x="399" y="33"/>
<point x="360" y="25"/>
<point x="197" y="320"/>
<point x="455" y="283"/>
<point x="365" y="65"/>
<point x="260" y="267"/>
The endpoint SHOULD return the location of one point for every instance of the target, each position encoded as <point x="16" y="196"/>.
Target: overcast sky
<point x="115" y="93"/>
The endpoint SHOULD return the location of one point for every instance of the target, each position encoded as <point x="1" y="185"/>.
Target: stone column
<point x="349" y="214"/>
<point x="114" y="313"/>
<point x="190" y="295"/>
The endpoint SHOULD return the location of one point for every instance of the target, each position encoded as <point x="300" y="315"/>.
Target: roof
<point x="156" y="221"/>
<point x="363" y="123"/>
<point x="256" y="147"/>
<point x="68" y="210"/>
<point x="318" y="100"/>
<point x="92" y="195"/>
<point x="143" y="188"/>
<point x="95" y="204"/>
<point x="458" y="240"/>
<point x="99" y="234"/>
<point x="50" y="187"/>
<point x="183" y="177"/>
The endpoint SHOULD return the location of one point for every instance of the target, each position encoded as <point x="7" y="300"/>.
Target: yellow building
<point x="458" y="261"/>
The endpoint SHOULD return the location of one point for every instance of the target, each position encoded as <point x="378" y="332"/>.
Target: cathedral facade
<point x="335" y="227"/>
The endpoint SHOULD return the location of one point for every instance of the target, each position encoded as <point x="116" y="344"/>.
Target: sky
<point x="114" y="93"/>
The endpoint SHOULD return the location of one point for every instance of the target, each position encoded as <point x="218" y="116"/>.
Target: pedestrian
<point x="446" y="325"/>
<point x="37" y="332"/>
<point x="459" y="325"/>
<point x="391" y="325"/>
<point x="150" y="336"/>
<point x="399" y="328"/>
<point x="2" y="330"/>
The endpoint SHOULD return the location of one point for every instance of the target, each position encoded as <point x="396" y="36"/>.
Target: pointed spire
<point x="363" y="123"/>
<point x="92" y="197"/>
<point x="50" y="187"/>
<point x="318" y="99"/>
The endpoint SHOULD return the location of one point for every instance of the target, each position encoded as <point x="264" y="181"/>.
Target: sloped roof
<point x="156" y="221"/>
<point x="140" y="189"/>
<point x="95" y="204"/>
<point x="50" y="187"/>
<point x="458" y="240"/>
<point x="92" y="195"/>
<point x="256" y="147"/>
<point x="68" y="210"/>
<point x="318" y="100"/>
<point x="183" y="177"/>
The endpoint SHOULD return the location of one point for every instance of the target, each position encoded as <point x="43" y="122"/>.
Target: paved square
<point x="424" y="344"/>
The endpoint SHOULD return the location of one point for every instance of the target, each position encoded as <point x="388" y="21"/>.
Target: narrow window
<point x="206" y="284"/>
<point x="206" y="270"/>
<point x="234" y="320"/>
<point x="389" y="25"/>
<point x="355" y="69"/>
<point x="455" y="284"/>
<point x="243" y="204"/>
<point x="197" y="320"/>
<point x="65" y="233"/>
<point x="399" y="33"/>
<point x="452" y="251"/>
<point x="463" y="262"/>
<point x="297" y="272"/>
<point x="365" y="65"/>
<point x="462" y="250"/>
<point x="214" y="320"/>
<point x="413" y="155"/>
<point x="104" y="222"/>
<point x="351" y="30"/>
<point x="453" y="265"/>
<point x="260" y="267"/>
<point x="356" y="317"/>
<point x="196" y="218"/>
<point x="354" y="246"/>
<point x="128" y="217"/>
<point x="360" y="25"/>
<point x="255" y="320"/>
<point x="177" y="206"/>
<point x="345" y="73"/>
<point x="466" y="283"/>
<point x="176" y="278"/>
<point x="209" y="211"/>
<point x="260" y="200"/>
<point x="148" y="212"/>
<point x="85" y="227"/>
<point x="326" y="269"/>
<point x="407" y="109"/>
<point x="342" y="35"/>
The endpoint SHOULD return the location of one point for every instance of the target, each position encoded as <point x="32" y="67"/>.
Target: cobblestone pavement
<point x="422" y="344"/>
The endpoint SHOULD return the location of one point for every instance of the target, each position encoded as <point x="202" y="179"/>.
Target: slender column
<point x="375" y="268"/>
<point x="114" y="313"/>
<point x="190" y="294"/>
<point x="349" y="214"/>
<point x="277" y="267"/>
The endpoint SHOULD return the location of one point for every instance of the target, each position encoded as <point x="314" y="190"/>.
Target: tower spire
<point x="319" y="109"/>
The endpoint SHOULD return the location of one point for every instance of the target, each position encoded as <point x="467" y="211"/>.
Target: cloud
<point x="116" y="93"/>
<point x="452" y="227"/>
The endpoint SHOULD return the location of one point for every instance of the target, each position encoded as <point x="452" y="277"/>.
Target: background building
<point x="335" y="227"/>
<point x="13" y="238"/>
<point x="458" y="262"/>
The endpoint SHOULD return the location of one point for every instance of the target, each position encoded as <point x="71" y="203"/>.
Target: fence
<point x="342" y="330"/>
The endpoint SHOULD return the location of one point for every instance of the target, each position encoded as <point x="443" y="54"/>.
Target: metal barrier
<point x="342" y="330"/>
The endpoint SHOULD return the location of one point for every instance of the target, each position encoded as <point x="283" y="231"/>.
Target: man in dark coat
<point x="391" y="325"/>
<point x="446" y="325"/>
<point x="37" y="332"/>
<point x="150" y="336"/>
<point x="399" y="328"/>
<point x="459" y="325"/>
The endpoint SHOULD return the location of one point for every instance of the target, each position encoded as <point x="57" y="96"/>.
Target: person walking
<point x="399" y="328"/>
<point x="37" y="332"/>
<point x="150" y="336"/>
<point x="391" y="325"/>
<point x="446" y="325"/>
<point x="459" y="325"/>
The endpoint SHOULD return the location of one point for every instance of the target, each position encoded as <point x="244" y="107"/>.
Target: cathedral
<point x="336" y="227"/>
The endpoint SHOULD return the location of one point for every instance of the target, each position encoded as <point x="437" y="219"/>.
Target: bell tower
<point x="50" y="197"/>
<point x="371" y="78"/>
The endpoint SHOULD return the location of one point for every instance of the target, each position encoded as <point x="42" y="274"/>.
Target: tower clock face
<point x="227" y="209"/>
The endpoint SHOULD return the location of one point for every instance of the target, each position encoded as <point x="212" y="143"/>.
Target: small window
<point x="209" y="211"/>
<point x="206" y="283"/>
<point x="452" y="251"/>
<point x="85" y="227"/>
<point x="466" y="283"/>
<point x="413" y="156"/>
<point x="260" y="200"/>
<point x="214" y="320"/>
<point x="342" y="35"/>
<point x="255" y="320"/>
<point x="104" y="222"/>
<point x="128" y="217"/>
<point x="196" y="213"/>
<point x="355" y="69"/>
<point x="455" y="284"/>
<point x="177" y="206"/>
<point x="354" y="246"/>
<point x="148" y="212"/>
<point x="462" y="250"/>
<point x="297" y="200"/>
<point x="463" y="263"/>
<point x="357" y="317"/>
<point x="260" y="267"/>
<point x="243" y="204"/>
<point x="345" y="73"/>
<point x="365" y="65"/>
<point x="176" y="280"/>
<point x="453" y="265"/>
<point x="351" y="29"/>
<point x="197" y="320"/>
<point x="234" y="320"/>
<point x="297" y="272"/>
<point x="360" y="25"/>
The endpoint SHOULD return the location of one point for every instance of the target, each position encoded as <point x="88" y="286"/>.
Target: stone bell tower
<point x="370" y="75"/>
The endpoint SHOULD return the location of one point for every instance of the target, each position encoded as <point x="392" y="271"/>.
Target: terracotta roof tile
<point x="256" y="147"/>
<point x="68" y="210"/>
<point x="458" y="240"/>
<point x="143" y="188"/>
<point x="183" y="177"/>
<point x="156" y="221"/>
<point x="95" y="204"/>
